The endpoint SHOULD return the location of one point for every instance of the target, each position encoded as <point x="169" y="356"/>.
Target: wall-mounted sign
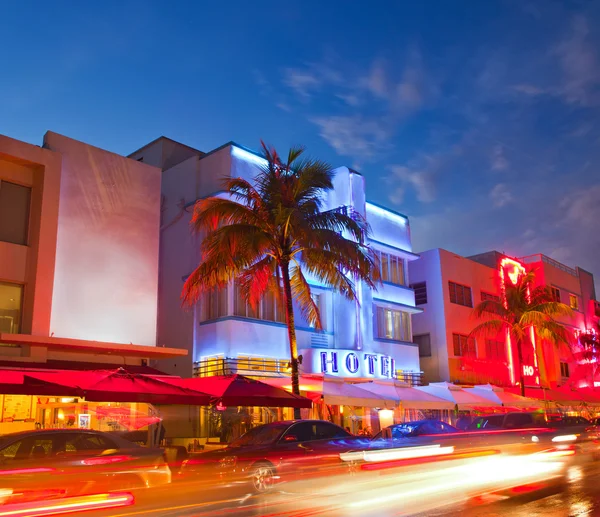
<point x="85" y="421"/>
<point x="349" y="363"/>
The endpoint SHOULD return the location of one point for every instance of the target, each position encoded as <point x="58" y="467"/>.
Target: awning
<point x="237" y="390"/>
<point x="455" y="394"/>
<point x="559" y="396"/>
<point x="100" y="386"/>
<point x="406" y="396"/>
<point x="335" y="392"/>
<point x="505" y="398"/>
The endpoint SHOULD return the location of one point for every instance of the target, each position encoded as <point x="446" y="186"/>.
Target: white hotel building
<point x="370" y="339"/>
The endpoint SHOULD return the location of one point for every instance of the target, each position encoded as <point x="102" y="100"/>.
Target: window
<point x="460" y="294"/>
<point x="393" y="324"/>
<point x="392" y="268"/>
<point x="88" y="442"/>
<point x="327" y="431"/>
<point x="424" y="342"/>
<point x="464" y="346"/>
<point x="574" y="302"/>
<point x="564" y="369"/>
<point x="555" y="293"/>
<point x="495" y="350"/>
<point x="267" y="309"/>
<point x="316" y="297"/>
<point x="11" y="300"/>
<point x="489" y="296"/>
<point x="304" y="431"/>
<point x="213" y="304"/>
<point x="14" y="212"/>
<point x="420" y="289"/>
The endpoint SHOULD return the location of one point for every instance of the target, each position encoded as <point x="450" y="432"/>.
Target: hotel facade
<point x="364" y="340"/>
<point x="448" y="286"/>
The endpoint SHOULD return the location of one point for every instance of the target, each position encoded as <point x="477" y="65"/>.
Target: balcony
<point x="467" y="370"/>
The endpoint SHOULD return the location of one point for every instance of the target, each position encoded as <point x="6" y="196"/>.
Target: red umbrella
<point x="237" y="390"/>
<point x="119" y="386"/>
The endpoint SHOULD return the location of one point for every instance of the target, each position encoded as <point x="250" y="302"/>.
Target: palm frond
<point x="489" y="328"/>
<point x="302" y="294"/>
<point x="257" y="279"/>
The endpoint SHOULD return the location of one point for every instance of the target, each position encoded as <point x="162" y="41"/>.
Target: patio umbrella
<point x="504" y="398"/>
<point x="119" y="386"/>
<point x="237" y="390"/>
<point x="462" y="398"/>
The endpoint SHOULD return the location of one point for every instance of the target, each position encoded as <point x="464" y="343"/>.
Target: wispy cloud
<point x="499" y="162"/>
<point x="375" y="101"/>
<point x="352" y="136"/>
<point x="500" y="195"/>
<point x="419" y="177"/>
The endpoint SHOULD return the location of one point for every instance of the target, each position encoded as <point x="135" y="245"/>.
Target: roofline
<point x="98" y="347"/>
<point x="391" y="211"/>
<point x="165" y="138"/>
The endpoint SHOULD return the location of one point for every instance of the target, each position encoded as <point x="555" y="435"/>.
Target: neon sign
<point x="350" y="363"/>
<point x="512" y="271"/>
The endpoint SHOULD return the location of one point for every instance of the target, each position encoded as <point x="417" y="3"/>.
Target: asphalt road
<point x="577" y="494"/>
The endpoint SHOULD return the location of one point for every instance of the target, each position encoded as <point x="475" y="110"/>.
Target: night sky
<point x="479" y="120"/>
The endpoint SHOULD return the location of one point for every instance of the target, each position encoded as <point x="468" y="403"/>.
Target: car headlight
<point x="535" y="439"/>
<point x="565" y="438"/>
<point x="228" y="462"/>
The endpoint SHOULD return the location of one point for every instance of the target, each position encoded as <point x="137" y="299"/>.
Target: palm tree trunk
<point x="289" y="319"/>
<point x="521" y="374"/>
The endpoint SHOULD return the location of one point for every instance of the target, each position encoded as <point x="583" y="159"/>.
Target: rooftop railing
<point x="539" y="257"/>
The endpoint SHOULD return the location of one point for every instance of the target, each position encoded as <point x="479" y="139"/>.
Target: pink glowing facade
<point x="451" y="285"/>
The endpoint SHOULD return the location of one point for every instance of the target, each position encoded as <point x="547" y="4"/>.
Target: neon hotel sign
<point x="351" y="363"/>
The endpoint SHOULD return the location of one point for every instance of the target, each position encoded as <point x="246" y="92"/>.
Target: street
<point x="575" y="493"/>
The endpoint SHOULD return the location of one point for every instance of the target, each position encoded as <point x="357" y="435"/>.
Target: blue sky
<point x="480" y="120"/>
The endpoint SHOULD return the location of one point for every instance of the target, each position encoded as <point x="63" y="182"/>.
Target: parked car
<point x="275" y="452"/>
<point x="63" y="462"/>
<point x="569" y="435"/>
<point x="411" y="430"/>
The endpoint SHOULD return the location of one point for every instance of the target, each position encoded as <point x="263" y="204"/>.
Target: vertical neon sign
<point x="511" y="270"/>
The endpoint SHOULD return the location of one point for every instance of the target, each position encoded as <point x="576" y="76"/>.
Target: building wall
<point x="431" y="321"/>
<point x="348" y="325"/>
<point x="106" y="270"/>
<point x="32" y="265"/>
<point x="442" y="319"/>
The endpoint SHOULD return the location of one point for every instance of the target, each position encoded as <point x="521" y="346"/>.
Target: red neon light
<point x="514" y="270"/>
<point x="106" y="460"/>
<point x="69" y="505"/>
<point x="35" y="470"/>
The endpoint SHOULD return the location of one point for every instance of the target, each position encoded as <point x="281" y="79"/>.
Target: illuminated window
<point x="574" y="302"/>
<point x="11" y="300"/>
<point x="267" y="309"/>
<point x="393" y="324"/>
<point x="213" y="305"/>
<point x="464" y="346"/>
<point x="555" y="293"/>
<point x="392" y="268"/>
<point x="564" y="369"/>
<point x="495" y="350"/>
<point x="420" y="289"/>
<point x="460" y="294"/>
<point x="14" y="212"/>
<point x="424" y="343"/>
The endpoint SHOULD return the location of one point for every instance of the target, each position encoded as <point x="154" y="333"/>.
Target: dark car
<point x="276" y="452"/>
<point x="419" y="428"/>
<point x="569" y="435"/>
<point x="63" y="462"/>
<point x="523" y="420"/>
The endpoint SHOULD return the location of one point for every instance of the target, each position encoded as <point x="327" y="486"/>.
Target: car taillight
<point x="34" y="470"/>
<point x="106" y="460"/>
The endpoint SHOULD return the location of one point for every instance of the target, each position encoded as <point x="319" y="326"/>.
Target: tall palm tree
<point x="271" y="231"/>
<point x="524" y="306"/>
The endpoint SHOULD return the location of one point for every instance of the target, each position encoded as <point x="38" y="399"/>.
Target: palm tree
<point x="524" y="306"/>
<point x="271" y="231"/>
